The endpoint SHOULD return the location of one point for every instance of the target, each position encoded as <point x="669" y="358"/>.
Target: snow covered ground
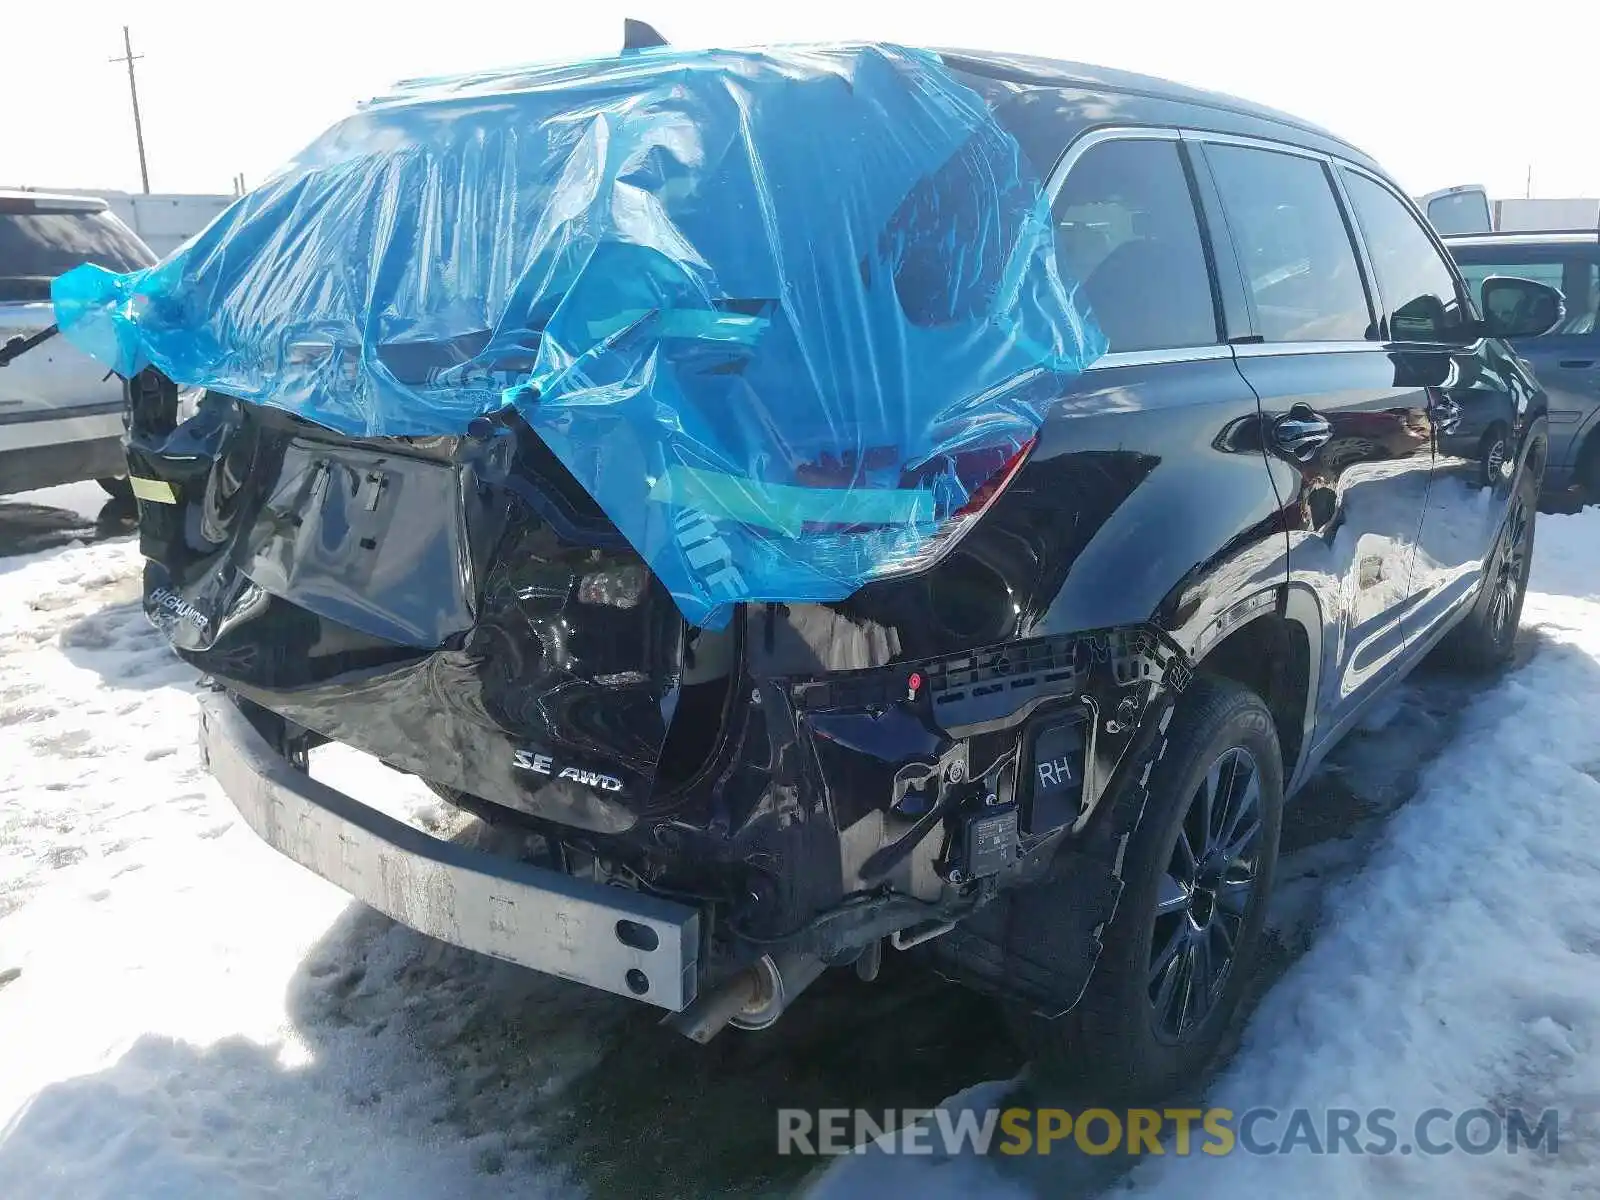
<point x="146" y="1048"/>
<point x="1451" y="961"/>
<point x="58" y="516"/>
<point x="185" y="1014"/>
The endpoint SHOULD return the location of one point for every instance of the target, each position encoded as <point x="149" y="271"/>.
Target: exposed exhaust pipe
<point x="752" y="999"/>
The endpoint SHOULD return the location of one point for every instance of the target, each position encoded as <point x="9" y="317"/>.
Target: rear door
<point x="1136" y="468"/>
<point x="1476" y="404"/>
<point x="1567" y="359"/>
<point x="1347" y="434"/>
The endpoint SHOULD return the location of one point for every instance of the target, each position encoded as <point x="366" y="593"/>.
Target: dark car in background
<point x="1053" y="762"/>
<point x="60" y="411"/>
<point x="1567" y="358"/>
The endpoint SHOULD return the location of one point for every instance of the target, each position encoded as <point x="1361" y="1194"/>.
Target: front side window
<point x="1126" y="231"/>
<point x="1293" y="244"/>
<point x="1577" y="278"/>
<point x="1419" y="289"/>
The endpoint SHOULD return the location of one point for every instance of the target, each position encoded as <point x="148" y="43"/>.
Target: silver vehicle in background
<point x="60" y="412"/>
<point x="1567" y="357"/>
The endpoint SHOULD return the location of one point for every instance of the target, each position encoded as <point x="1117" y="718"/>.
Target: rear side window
<point x="1419" y="289"/>
<point x="1126" y="231"/>
<point x="950" y="238"/>
<point x="35" y="247"/>
<point x="1578" y="278"/>
<point x="1293" y="245"/>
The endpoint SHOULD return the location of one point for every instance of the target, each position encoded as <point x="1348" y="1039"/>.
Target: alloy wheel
<point x="1494" y="463"/>
<point x="1204" y="895"/>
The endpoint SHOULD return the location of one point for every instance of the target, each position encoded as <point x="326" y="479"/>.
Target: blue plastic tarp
<point x="780" y="313"/>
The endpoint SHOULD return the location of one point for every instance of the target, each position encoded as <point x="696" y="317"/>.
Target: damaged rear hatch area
<point x="521" y="386"/>
<point x="457" y="608"/>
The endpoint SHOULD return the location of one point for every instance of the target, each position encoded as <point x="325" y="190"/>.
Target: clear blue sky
<point x="1441" y="94"/>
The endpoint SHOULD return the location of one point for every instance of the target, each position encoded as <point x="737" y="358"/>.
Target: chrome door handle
<point x="1301" y="432"/>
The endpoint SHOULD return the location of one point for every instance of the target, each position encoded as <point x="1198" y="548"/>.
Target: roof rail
<point x="1583" y="231"/>
<point x="23" y="200"/>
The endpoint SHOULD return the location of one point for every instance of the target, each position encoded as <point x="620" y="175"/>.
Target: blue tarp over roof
<point x="780" y="313"/>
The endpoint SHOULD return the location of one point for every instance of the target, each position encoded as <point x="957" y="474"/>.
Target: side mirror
<point x="1520" y="308"/>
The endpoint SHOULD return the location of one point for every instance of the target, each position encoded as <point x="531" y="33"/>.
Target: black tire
<point x="117" y="487"/>
<point x="1487" y="635"/>
<point x="1126" y="1039"/>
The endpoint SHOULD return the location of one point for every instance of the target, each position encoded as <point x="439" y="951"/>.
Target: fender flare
<point x="1294" y="602"/>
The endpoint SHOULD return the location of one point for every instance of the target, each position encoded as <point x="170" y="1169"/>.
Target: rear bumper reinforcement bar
<point x="630" y="943"/>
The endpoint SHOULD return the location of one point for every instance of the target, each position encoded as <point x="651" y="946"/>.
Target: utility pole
<point x="1529" y="193"/>
<point x="128" y="56"/>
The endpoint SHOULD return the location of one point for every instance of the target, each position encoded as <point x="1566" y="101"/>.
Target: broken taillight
<point x="986" y="474"/>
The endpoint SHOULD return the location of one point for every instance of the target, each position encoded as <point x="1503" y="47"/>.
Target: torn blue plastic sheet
<point x="780" y="313"/>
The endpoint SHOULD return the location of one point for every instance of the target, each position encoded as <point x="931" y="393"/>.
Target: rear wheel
<point x="1187" y="930"/>
<point x="1493" y="452"/>
<point x="1486" y="636"/>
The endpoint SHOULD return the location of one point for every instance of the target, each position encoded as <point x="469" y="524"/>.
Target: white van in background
<point x="1468" y="209"/>
<point x="60" y="412"/>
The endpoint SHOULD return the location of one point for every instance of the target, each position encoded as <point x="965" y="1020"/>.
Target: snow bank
<point x="185" y="1014"/>
<point x="152" y="944"/>
<point x="1462" y="966"/>
<point x="1458" y="967"/>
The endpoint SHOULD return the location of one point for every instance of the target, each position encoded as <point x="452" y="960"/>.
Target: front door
<point x="1347" y="438"/>
<point x="1476" y="400"/>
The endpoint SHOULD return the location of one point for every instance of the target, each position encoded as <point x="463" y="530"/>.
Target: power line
<point x="128" y="56"/>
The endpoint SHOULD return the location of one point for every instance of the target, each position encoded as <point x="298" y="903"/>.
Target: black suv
<point x="1053" y="762"/>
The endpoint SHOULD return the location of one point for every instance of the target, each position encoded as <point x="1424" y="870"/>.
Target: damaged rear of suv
<point x="978" y="578"/>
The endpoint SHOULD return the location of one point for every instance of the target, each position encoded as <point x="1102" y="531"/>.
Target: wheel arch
<point x="1276" y="652"/>
<point x="1584" y="457"/>
<point x="1535" y="448"/>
